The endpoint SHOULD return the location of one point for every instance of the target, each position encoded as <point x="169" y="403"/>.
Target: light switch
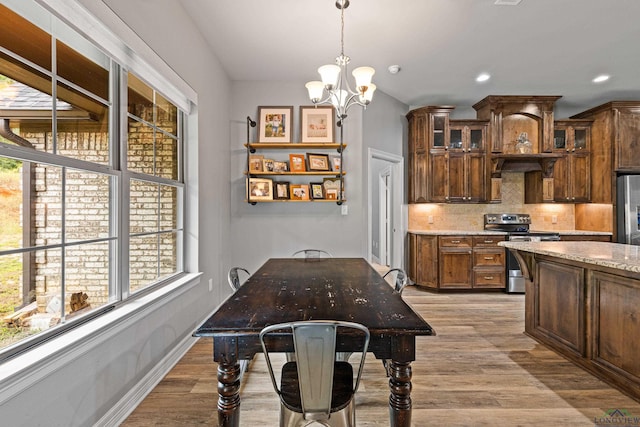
<point x="430" y="219"/>
<point x="554" y="219"/>
<point x="345" y="210"/>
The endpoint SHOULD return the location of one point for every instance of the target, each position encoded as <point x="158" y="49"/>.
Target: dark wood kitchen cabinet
<point x="572" y="172"/>
<point x="428" y="134"/>
<point x="615" y="146"/>
<point x="462" y="261"/>
<point x="466" y="165"/>
<point x="442" y="170"/>
<point x="455" y="261"/>
<point x="423" y="260"/>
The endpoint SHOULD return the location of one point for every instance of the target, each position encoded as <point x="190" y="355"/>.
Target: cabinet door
<point x="476" y="178"/>
<point x="427" y="261"/>
<point x="561" y="180"/>
<point x="418" y="190"/>
<point x="580" y="176"/>
<point x="455" y="268"/>
<point x="628" y="142"/>
<point x="438" y="177"/>
<point x="456" y="177"/>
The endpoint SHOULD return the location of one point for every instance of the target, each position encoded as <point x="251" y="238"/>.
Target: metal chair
<point x="234" y="277"/>
<point x="312" y="253"/>
<point x="401" y="279"/>
<point x="315" y="387"/>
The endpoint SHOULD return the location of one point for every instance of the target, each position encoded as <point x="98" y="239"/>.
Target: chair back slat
<point x="315" y="346"/>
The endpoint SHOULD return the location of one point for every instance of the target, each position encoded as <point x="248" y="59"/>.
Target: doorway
<point x="386" y="215"/>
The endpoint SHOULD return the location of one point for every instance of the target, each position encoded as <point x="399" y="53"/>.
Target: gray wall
<point x="229" y="230"/>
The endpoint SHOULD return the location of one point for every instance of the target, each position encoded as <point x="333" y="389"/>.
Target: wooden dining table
<point x="290" y="289"/>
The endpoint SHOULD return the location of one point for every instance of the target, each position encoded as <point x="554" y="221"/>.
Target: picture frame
<point x="297" y="163"/>
<point x="317" y="124"/>
<point x="281" y="190"/>
<point x="274" y="124"/>
<point x="316" y="191"/>
<point x="299" y="191"/>
<point x="280" y="166"/>
<point x="335" y="162"/>
<point x="255" y="162"/>
<point x="260" y="189"/>
<point x="332" y="188"/>
<point x="268" y="165"/>
<point x="318" y="162"/>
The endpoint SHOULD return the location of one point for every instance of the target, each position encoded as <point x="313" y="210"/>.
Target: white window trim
<point x="100" y="25"/>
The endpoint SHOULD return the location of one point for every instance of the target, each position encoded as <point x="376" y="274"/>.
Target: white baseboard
<point x="120" y="411"/>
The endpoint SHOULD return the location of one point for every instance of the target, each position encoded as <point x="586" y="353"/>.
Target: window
<point x="86" y="187"/>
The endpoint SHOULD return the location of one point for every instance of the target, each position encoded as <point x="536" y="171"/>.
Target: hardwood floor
<point x="480" y="370"/>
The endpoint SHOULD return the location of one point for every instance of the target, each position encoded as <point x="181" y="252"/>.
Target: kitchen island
<point x="583" y="300"/>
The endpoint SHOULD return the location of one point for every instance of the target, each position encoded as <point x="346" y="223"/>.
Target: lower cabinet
<point x="588" y="313"/>
<point x="457" y="261"/>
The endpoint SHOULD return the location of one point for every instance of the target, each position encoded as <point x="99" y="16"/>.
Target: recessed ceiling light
<point x="601" y="78"/>
<point x="483" y="77"/>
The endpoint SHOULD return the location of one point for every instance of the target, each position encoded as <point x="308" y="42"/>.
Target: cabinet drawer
<point x="488" y="257"/>
<point x="488" y="279"/>
<point x="491" y="241"/>
<point x="456" y="241"/>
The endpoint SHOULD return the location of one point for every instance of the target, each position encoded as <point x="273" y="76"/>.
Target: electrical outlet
<point x="430" y="219"/>
<point x="554" y="219"/>
<point x="210" y="285"/>
<point x="345" y="210"/>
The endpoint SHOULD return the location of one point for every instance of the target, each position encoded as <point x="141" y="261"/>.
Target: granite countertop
<point x="457" y="232"/>
<point x="612" y="255"/>
<point x="482" y="232"/>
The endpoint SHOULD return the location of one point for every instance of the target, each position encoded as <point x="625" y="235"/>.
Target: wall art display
<point x="317" y="124"/>
<point x="317" y="191"/>
<point x="299" y="191"/>
<point x="255" y="162"/>
<point x="274" y="124"/>
<point x="318" y="162"/>
<point x="297" y="163"/>
<point x="260" y="189"/>
<point x="281" y="190"/>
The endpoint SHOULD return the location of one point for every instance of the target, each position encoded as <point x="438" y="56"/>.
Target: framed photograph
<point x="299" y="191"/>
<point x="281" y="190"/>
<point x="317" y="124"/>
<point x="274" y="124"/>
<point x="335" y="163"/>
<point x="267" y="165"/>
<point x="332" y="188"/>
<point x="317" y="191"/>
<point x="260" y="189"/>
<point x="318" y="162"/>
<point x="280" y="166"/>
<point x="297" y="163"/>
<point x="255" y="162"/>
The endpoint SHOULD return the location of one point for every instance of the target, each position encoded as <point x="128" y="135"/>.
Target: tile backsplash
<point x="471" y="216"/>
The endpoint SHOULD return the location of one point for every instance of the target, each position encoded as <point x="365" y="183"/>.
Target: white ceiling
<point x="539" y="47"/>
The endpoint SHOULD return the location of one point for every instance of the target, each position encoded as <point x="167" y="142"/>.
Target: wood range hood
<point x="533" y="162"/>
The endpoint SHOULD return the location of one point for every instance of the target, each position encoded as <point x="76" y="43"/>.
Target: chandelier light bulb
<point x="315" y="89"/>
<point x="329" y="74"/>
<point x="363" y="77"/>
<point x="367" y="96"/>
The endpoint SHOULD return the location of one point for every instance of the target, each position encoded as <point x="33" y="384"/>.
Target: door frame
<point x="385" y="202"/>
<point x="398" y="212"/>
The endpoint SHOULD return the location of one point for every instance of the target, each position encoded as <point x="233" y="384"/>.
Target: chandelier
<point x="334" y="81"/>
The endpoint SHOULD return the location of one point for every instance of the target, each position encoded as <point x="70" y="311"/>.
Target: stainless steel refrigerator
<point x="628" y="209"/>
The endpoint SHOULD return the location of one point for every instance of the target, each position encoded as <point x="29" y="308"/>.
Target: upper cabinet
<point x="447" y="158"/>
<point x="428" y="132"/>
<point x="510" y="116"/>
<point x="572" y="172"/>
<point x="616" y="145"/>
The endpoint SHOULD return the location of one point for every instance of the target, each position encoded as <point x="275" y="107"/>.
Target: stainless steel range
<point x="517" y="228"/>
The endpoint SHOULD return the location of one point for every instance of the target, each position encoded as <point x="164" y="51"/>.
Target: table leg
<point x="400" y="397"/>
<point x="229" y="394"/>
